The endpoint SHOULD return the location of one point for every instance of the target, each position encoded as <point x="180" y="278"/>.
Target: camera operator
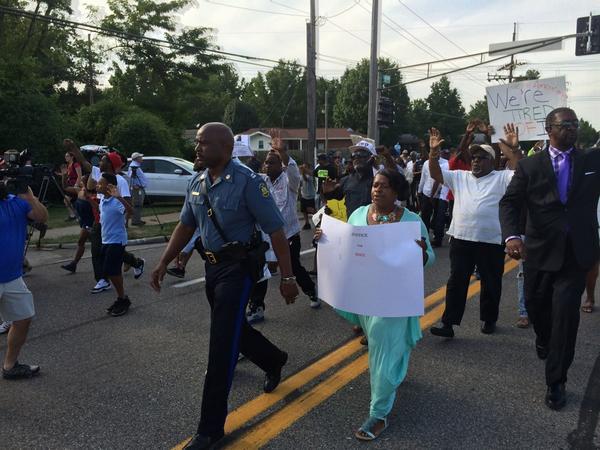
<point x="16" y="301"/>
<point x="138" y="187"/>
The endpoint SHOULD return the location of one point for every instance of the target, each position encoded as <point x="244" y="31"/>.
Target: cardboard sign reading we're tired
<point x="526" y="104"/>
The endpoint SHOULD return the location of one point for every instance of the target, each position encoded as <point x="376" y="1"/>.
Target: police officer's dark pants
<point x="96" y="242"/>
<point x="490" y="262"/>
<point x="552" y="300"/>
<point x="302" y="277"/>
<point x="228" y="287"/>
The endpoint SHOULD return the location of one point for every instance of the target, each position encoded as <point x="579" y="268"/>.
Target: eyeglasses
<point x="566" y="124"/>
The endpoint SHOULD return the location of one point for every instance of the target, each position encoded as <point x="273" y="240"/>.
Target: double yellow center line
<point x="283" y="418"/>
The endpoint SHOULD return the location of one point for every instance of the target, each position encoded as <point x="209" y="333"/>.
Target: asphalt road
<point x="136" y="381"/>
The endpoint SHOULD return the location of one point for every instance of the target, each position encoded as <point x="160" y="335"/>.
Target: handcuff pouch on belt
<point x="251" y="255"/>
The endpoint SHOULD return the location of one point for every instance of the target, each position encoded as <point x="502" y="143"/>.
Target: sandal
<point x="365" y="433"/>
<point x="588" y="306"/>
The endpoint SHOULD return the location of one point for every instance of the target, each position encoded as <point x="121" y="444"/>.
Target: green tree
<point x="588" y="135"/>
<point x="240" y="116"/>
<point x="352" y="102"/>
<point x="93" y="123"/>
<point x="278" y="96"/>
<point x="151" y="76"/>
<point x="447" y="112"/>
<point x="419" y="118"/>
<point x="145" y="133"/>
<point x="531" y="74"/>
<point x="479" y="110"/>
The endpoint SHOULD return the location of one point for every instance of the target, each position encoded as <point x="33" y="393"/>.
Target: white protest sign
<point x="241" y="146"/>
<point x="526" y="104"/>
<point x="372" y="270"/>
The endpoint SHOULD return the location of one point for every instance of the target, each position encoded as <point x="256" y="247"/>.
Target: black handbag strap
<point x="211" y="213"/>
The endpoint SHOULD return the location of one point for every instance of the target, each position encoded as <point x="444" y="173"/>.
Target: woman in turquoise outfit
<point x="391" y="339"/>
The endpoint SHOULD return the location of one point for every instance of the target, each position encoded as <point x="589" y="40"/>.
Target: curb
<point x="133" y="242"/>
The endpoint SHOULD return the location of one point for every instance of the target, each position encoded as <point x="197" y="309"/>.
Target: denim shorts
<point x="16" y="301"/>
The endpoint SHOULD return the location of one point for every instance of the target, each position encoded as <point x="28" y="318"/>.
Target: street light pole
<point x="373" y="75"/>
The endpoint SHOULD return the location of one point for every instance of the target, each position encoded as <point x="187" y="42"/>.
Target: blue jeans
<point x="521" y="291"/>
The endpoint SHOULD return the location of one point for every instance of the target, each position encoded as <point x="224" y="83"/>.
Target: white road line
<point x="203" y="279"/>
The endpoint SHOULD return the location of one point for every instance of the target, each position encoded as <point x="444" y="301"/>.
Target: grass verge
<point x="132" y="233"/>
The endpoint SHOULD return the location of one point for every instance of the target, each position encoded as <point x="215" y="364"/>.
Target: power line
<point x="290" y="7"/>
<point x="433" y="28"/>
<point x="523" y="50"/>
<point x="343" y="11"/>
<point x="264" y="11"/>
<point x="129" y="36"/>
<point x="435" y="52"/>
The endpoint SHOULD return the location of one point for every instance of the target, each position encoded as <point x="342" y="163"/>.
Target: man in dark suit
<point x="559" y="189"/>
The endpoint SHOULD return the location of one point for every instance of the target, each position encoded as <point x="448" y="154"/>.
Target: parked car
<point x="167" y="176"/>
<point x="94" y="153"/>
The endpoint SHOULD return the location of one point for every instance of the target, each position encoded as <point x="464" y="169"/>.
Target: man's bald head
<point x="214" y="144"/>
<point x="221" y="132"/>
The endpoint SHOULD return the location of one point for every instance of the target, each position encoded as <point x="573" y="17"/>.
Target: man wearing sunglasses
<point x="356" y="187"/>
<point x="559" y="188"/>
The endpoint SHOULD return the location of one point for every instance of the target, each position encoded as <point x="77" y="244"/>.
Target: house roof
<point x="302" y="133"/>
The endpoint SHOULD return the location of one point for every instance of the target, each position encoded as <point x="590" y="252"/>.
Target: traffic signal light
<point x="588" y="44"/>
<point x="385" y="112"/>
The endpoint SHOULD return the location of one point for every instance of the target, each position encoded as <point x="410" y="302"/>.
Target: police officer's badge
<point x="264" y="190"/>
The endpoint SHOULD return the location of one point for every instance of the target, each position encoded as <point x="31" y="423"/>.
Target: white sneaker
<point x="138" y="271"/>
<point x="256" y="315"/>
<point x="4" y="327"/>
<point x="315" y="302"/>
<point x="101" y="285"/>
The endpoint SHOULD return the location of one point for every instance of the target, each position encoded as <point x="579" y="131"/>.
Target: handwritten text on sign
<point x="526" y="104"/>
<point x="375" y="270"/>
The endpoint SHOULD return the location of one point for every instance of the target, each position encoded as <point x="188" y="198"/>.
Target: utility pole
<point x="311" y="86"/>
<point x="511" y="66"/>
<point x="90" y="70"/>
<point x="512" y="58"/>
<point x="326" y="125"/>
<point x="373" y="73"/>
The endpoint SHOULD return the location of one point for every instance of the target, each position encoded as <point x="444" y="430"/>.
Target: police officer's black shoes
<point x="273" y="378"/>
<point x="201" y="442"/>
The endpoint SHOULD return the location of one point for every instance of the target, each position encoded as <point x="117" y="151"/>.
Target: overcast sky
<point x="444" y="29"/>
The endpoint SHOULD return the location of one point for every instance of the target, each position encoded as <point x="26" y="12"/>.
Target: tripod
<point x="42" y="227"/>
<point x="134" y="176"/>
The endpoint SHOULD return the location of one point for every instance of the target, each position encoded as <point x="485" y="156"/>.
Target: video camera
<point x="18" y="171"/>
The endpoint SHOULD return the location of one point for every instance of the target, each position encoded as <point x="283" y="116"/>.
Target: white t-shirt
<point x="426" y="183"/>
<point x="121" y="183"/>
<point x="476" y="214"/>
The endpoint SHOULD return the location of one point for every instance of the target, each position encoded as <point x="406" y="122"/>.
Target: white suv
<point x="167" y="176"/>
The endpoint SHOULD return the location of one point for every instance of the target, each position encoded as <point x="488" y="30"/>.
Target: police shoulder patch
<point x="264" y="190"/>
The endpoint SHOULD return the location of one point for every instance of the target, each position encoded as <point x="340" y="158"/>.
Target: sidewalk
<point x="74" y="229"/>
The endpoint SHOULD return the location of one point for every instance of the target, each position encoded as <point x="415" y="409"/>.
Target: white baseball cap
<point x="136" y="155"/>
<point x="366" y="145"/>
<point x="485" y="147"/>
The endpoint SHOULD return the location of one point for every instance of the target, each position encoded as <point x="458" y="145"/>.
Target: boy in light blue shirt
<point x="114" y="238"/>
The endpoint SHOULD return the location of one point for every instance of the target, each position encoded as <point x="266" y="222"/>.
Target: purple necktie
<point x="564" y="170"/>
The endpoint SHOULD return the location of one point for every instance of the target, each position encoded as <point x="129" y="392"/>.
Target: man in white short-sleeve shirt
<point x="476" y="238"/>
